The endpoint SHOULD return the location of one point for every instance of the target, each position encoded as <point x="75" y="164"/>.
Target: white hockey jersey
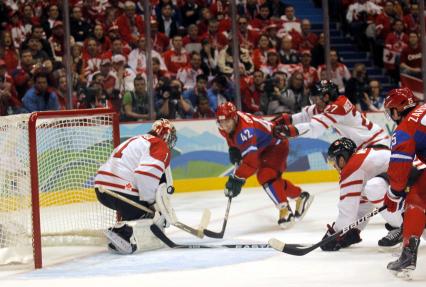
<point x="135" y="167"/>
<point x="345" y="118"/>
<point x="363" y="165"/>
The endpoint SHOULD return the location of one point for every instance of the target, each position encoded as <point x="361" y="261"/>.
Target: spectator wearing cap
<point x="166" y="23"/>
<point x="40" y="97"/>
<point x="310" y="74"/>
<point x="8" y="51"/>
<point x="79" y="27"/>
<point x="104" y="42"/>
<point x="339" y="72"/>
<point x="113" y="32"/>
<point x="192" y="41"/>
<point x="22" y="75"/>
<point x="16" y="28"/>
<point x="131" y="25"/>
<point x="123" y="73"/>
<point x="273" y="64"/>
<point x="290" y="21"/>
<point x="247" y="37"/>
<point x="105" y="71"/>
<point x="56" y="41"/>
<point x="176" y="57"/>
<point x="9" y="102"/>
<point x="260" y="53"/>
<point x="138" y="57"/>
<point x="52" y="17"/>
<point x="209" y="58"/>
<point x="38" y="33"/>
<point x="190" y="11"/>
<point x="286" y="52"/>
<point x="188" y="75"/>
<point x="306" y="40"/>
<point x="262" y="19"/>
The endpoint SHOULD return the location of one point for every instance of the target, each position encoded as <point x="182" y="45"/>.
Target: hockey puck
<point x="170" y="189"/>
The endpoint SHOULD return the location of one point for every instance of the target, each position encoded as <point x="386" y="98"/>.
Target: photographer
<point x="273" y="87"/>
<point x="357" y="86"/>
<point x="171" y="104"/>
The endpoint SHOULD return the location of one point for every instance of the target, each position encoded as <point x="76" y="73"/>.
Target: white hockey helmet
<point x="165" y="130"/>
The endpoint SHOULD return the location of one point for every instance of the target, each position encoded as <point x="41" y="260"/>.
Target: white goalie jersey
<point x="136" y="167"/>
<point x="344" y="117"/>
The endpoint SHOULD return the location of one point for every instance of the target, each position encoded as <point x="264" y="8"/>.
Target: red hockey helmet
<point x="165" y="130"/>
<point x="400" y="99"/>
<point x="226" y="111"/>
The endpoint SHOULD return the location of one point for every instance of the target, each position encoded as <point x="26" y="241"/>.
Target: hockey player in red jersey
<point x="363" y="185"/>
<point x="408" y="141"/>
<point x="331" y="110"/>
<point x="135" y="170"/>
<point x="255" y="151"/>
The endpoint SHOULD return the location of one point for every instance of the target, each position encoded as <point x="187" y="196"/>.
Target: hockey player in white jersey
<point x="331" y="110"/>
<point x="363" y="185"/>
<point x="135" y="170"/>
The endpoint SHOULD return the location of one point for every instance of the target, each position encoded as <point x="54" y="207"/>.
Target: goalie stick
<point x="163" y="237"/>
<point x="220" y="234"/>
<point x="197" y="232"/>
<point x="300" y="250"/>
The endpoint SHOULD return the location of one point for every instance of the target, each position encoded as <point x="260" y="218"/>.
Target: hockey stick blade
<point x="300" y="250"/>
<point x="220" y="234"/>
<point x="163" y="237"/>
<point x="205" y="219"/>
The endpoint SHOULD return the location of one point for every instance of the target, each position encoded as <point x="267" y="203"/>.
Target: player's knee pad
<point x="266" y="174"/>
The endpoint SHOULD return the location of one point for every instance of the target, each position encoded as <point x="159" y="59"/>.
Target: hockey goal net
<point x="48" y="163"/>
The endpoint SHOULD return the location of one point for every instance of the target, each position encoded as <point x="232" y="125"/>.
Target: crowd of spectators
<point x="280" y="57"/>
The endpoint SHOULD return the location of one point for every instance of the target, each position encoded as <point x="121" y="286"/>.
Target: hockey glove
<point x="233" y="186"/>
<point x="393" y="200"/>
<point x="234" y="155"/>
<point x="332" y="245"/>
<point x="343" y="241"/>
<point x="282" y="119"/>
<point x="285" y="131"/>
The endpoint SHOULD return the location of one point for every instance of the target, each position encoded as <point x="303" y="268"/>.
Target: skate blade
<point x="287" y="225"/>
<point x="307" y="205"/>
<point x="405" y="274"/>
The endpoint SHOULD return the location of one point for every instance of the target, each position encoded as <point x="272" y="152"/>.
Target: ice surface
<point x="252" y="219"/>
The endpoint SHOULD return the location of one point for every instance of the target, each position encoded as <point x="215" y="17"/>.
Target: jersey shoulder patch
<point x="355" y="163"/>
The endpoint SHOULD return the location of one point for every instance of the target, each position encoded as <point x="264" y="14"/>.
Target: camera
<point x="269" y="86"/>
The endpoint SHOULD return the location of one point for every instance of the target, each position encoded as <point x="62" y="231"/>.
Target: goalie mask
<point x="342" y="147"/>
<point x="165" y="130"/>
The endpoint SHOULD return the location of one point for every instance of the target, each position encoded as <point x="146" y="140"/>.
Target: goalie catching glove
<point x="233" y="186"/>
<point x="342" y="241"/>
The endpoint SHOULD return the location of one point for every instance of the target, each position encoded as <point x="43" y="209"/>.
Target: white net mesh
<point x="69" y="152"/>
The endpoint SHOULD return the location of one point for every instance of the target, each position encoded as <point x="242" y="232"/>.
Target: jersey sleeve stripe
<point x="153" y="165"/>
<point x="350" y="194"/>
<point x="401" y="156"/>
<point x="108" y="173"/>
<point x="147" y="174"/>
<point x="371" y="139"/>
<point x="354" y="182"/>
<point x="321" y="122"/>
<point x="376" y="201"/>
<point x="248" y="150"/>
<point x="330" y="117"/>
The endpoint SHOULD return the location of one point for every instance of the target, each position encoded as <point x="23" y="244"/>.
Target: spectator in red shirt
<point x="395" y="42"/>
<point x="103" y="41"/>
<point x="192" y="41"/>
<point x="411" y="20"/>
<point x="411" y="56"/>
<point x="130" y="24"/>
<point x="251" y="94"/>
<point x="247" y="37"/>
<point x="305" y="40"/>
<point x="217" y="39"/>
<point x="262" y="19"/>
<point x="9" y="102"/>
<point x="22" y="75"/>
<point x="310" y="74"/>
<point x="385" y="20"/>
<point x="176" y="57"/>
<point x="8" y="52"/>
<point x="260" y="53"/>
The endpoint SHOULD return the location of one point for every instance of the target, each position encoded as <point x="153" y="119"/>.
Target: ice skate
<point x="392" y="239"/>
<point x="303" y="202"/>
<point x="286" y="217"/>
<point x="406" y="263"/>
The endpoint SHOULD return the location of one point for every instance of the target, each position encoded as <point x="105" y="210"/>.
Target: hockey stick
<point x="197" y="232"/>
<point x="220" y="234"/>
<point x="160" y="234"/>
<point x="300" y="250"/>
